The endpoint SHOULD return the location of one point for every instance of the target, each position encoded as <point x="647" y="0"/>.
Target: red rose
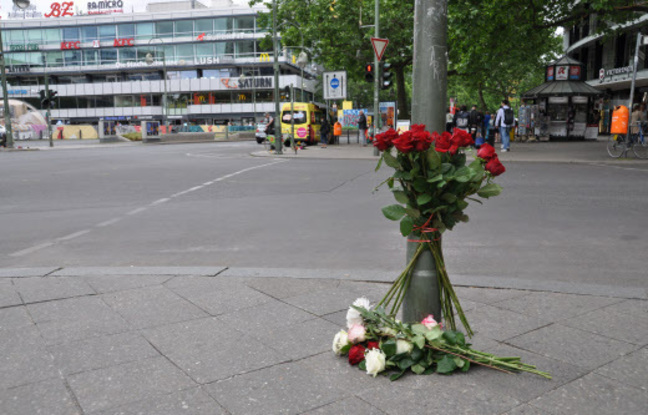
<point x="373" y="345"/>
<point x="461" y="138"/>
<point x="421" y="139"/>
<point x="495" y="167"/>
<point x="385" y="140"/>
<point x="486" y="152"/>
<point x="404" y="142"/>
<point x="356" y="354"/>
<point x="442" y="144"/>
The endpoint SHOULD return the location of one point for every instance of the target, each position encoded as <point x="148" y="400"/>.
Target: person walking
<point x="462" y="119"/>
<point x="337" y="132"/>
<point x="475" y="120"/>
<point x="504" y="122"/>
<point x="449" y="121"/>
<point x="362" y="126"/>
<point x="325" y="128"/>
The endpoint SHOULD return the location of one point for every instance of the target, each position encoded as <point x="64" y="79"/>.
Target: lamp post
<point x="277" y="117"/>
<point x="150" y="60"/>
<point x="21" y="4"/>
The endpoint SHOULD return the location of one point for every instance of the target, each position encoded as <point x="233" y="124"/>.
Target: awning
<point x="562" y="88"/>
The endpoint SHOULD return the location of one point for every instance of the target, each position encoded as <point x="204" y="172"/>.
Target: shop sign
<point x="561" y="73"/>
<point x="253" y="82"/>
<point x="95" y="43"/>
<point x="124" y="42"/>
<point x="575" y="73"/>
<point x="558" y="100"/>
<point x="20" y="48"/>
<point x="550" y="73"/>
<point x="61" y="9"/>
<point x="18" y="92"/>
<point x="212" y="60"/>
<point x="30" y="12"/>
<point x="579" y="100"/>
<point x="105" y="7"/>
<point x="70" y="45"/>
<point x="604" y="73"/>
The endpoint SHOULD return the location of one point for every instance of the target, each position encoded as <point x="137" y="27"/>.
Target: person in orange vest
<point x="337" y="132"/>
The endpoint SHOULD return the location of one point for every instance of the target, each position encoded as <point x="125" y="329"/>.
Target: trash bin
<point x="620" y="117"/>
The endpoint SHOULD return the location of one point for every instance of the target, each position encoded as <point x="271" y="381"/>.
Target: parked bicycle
<point x="618" y="144"/>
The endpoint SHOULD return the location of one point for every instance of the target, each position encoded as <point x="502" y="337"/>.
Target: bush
<point x="133" y="136"/>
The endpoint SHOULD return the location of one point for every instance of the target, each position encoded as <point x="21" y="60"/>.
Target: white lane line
<point x="32" y="249"/>
<point x="136" y="211"/>
<point x="160" y="201"/>
<point x="108" y="222"/>
<point x="73" y="235"/>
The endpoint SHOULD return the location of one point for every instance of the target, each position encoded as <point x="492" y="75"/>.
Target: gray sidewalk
<point x="168" y="341"/>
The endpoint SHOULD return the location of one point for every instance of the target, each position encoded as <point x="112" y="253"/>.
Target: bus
<point x="307" y="119"/>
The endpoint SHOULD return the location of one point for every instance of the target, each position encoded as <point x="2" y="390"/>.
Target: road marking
<point x="136" y="211"/>
<point x="618" y="167"/>
<point x="73" y="235"/>
<point x="32" y="249"/>
<point x="108" y="222"/>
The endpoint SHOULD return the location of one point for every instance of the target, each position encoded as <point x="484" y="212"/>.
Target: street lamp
<point x="302" y="61"/>
<point x="150" y="60"/>
<point x="21" y="4"/>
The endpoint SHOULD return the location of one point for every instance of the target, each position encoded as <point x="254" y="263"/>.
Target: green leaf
<point x="461" y="339"/>
<point x="446" y="365"/>
<point x="450" y="337"/>
<point x="417" y="354"/>
<point x="345" y="349"/>
<point x="406" y="225"/>
<point x="397" y="376"/>
<point x="490" y="190"/>
<point x="463" y="175"/>
<point x="391" y="161"/>
<point x="462" y="204"/>
<point x="405" y="363"/>
<point x="419" y="328"/>
<point x="379" y="163"/>
<point x="459" y="361"/>
<point x="423" y="199"/>
<point x="418" y="369"/>
<point x="435" y="178"/>
<point x="413" y="213"/>
<point x="401" y="196"/>
<point x="434" y="333"/>
<point x="389" y="347"/>
<point x="362" y="365"/>
<point x="433" y="159"/>
<point x="449" y="197"/>
<point x="420" y="185"/>
<point x="393" y="212"/>
<point x="447" y="168"/>
<point x="419" y="341"/>
<point x="466" y="366"/>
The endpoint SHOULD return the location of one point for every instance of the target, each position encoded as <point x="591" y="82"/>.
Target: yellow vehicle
<point x="307" y="122"/>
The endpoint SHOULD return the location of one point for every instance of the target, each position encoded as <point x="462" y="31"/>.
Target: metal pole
<point x="277" y="117"/>
<point x="428" y="103"/>
<point x="292" y="119"/>
<point x="376" y="75"/>
<point x="47" y="110"/>
<point x="5" y="96"/>
<point x="165" y="109"/>
<point x="634" y="78"/>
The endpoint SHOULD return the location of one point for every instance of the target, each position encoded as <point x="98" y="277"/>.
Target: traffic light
<point x="385" y="75"/>
<point x="45" y="102"/>
<point x="52" y="98"/>
<point x="370" y="72"/>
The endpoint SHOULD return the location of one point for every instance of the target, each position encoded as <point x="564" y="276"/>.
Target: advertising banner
<point x="350" y="118"/>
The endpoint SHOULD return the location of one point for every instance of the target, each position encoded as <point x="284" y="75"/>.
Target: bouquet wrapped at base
<point x="379" y="343"/>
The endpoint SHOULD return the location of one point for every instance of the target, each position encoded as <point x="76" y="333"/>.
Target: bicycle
<point x="618" y="144"/>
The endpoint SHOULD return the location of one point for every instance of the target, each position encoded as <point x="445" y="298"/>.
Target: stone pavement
<point x="204" y="341"/>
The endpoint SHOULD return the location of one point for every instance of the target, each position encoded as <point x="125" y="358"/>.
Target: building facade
<point x="208" y="62"/>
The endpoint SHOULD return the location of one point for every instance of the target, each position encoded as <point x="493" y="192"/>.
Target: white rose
<point x="403" y="346"/>
<point x="353" y="316"/>
<point x="340" y="340"/>
<point x="388" y="331"/>
<point x="375" y="361"/>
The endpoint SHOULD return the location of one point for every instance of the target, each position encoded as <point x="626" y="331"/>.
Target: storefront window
<point x="52" y="36"/>
<point x="144" y="31"/>
<point x="107" y="32"/>
<point x="164" y="29"/>
<point x="123" y="101"/>
<point x="127" y="55"/>
<point x="184" y="28"/>
<point x="13" y="37"/>
<point x="33" y="36"/>
<point x="204" y="26"/>
<point x="71" y="34"/>
<point x="72" y="57"/>
<point x="204" y="49"/>
<point x="188" y="74"/>
<point x="90" y="57"/>
<point x="53" y="59"/>
<point x="108" y="56"/>
<point x="125" y="31"/>
<point x="215" y="73"/>
<point x="88" y="33"/>
<point x="245" y="48"/>
<point x="16" y="59"/>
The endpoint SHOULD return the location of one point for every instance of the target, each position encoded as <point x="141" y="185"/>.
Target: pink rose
<point x="357" y="333"/>
<point x="429" y="322"/>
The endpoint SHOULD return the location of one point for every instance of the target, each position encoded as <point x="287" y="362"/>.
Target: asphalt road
<point x="214" y="205"/>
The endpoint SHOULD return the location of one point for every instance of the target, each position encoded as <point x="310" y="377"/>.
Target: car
<point x="260" y="134"/>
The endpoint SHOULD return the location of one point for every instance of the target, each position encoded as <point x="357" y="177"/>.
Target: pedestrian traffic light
<point x="370" y="72"/>
<point x="385" y="75"/>
<point x="44" y="99"/>
<point x="52" y="98"/>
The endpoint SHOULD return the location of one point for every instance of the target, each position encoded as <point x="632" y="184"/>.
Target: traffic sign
<point x="335" y="85"/>
<point x="379" y="46"/>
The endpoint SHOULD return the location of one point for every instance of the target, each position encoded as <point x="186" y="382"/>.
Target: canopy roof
<point x="561" y="88"/>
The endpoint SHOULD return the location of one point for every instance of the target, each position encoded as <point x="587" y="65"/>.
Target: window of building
<point x="205" y="26"/>
<point x="245" y="48"/>
<point x="184" y="28"/>
<point x="71" y="34"/>
<point x="127" y="55"/>
<point x="107" y="32"/>
<point x="16" y="59"/>
<point x="223" y="24"/>
<point x="108" y="56"/>
<point x="52" y="36"/>
<point x="13" y="37"/>
<point x="90" y="57"/>
<point x="185" y="52"/>
<point x="621" y="55"/>
<point x="188" y="74"/>
<point x="89" y="33"/>
<point x="215" y="73"/>
<point x="72" y="57"/>
<point x="245" y="24"/>
<point x="169" y="53"/>
<point x="54" y="58"/>
<point x="144" y="31"/>
<point x="126" y="31"/>
<point x="34" y="36"/>
<point x="164" y="29"/>
<point x="204" y="49"/>
<point x="123" y="101"/>
<point x="105" y="101"/>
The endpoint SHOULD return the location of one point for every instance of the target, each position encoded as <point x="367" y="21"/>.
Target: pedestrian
<point x="362" y="127"/>
<point x="325" y="128"/>
<point x="462" y="119"/>
<point x="337" y="132"/>
<point x="635" y="119"/>
<point x="449" y="120"/>
<point x="475" y="121"/>
<point x="486" y="123"/>
<point x="504" y="122"/>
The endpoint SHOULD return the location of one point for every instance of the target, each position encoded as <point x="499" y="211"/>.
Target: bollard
<point x="80" y="135"/>
<point x="226" y="132"/>
<point x="422" y="297"/>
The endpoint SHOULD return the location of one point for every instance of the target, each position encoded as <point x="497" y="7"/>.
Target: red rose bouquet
<point x="432" y="184"/>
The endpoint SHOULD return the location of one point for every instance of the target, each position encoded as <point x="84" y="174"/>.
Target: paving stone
<point x="210" y="350"/>
<point x="594" y="394"/>
<point x="289" y="287"/>
<point x="373" y="291"/>
<point x="75" y="319"/>
<point x="632" y="307"/>
<point x="217" y="295"/>
<point x="152" y="306"/>
<point x="8" y="294"/>
<point x="25" y="272"/>
<point x="49" y="288"/>
<point x="338" y="318"/>
<point x="313" y="337"/>
<point x="14" y="318"/>
<point x="353" y="406"/>
<point x="265" y="318"/>
<point x="283" y="389"/>
<point x="24" y="358"/>
<point x="631" y="328"/>
<point x="554" y="307"/>
<point x="488" y="295"/>
<point x="336" y="370"/>
<point x="49" y="397"/>
<point x="111" y="283"/>
<point x="500" y="324"/>
<point x="102" y="389"/>
<point x="85" y="271"/>
<point x="188" y="402"/>
<point x="99" y="352"/>
<point x="578" y="347"/>
<point x="526" y="410"/>
<point x="631" y="369"/>
<point x="325" y="301"/>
